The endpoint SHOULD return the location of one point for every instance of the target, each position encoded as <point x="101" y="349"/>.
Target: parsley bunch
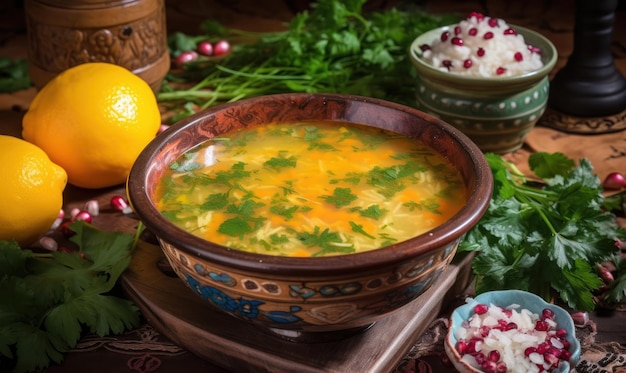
<point x="544" y="236"/>
<point x="334" y="48"/>
<point x="47" y="300"/>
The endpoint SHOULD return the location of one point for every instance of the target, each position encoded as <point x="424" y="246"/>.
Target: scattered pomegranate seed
<point x="58" y="221"/>
<point x="473" y="31"/>
<point x="480" y="52"/>
<point x="447" y="64"/>
<point x="221" y="48"/>
<point x="205" y="48"/>
<point x="83" y="216"/>
<point x="614" y="181"/>
<point x="457" y="41"/>
<point x="488" y="35"/>
<point x="120" y="204"/>
<point x="541" y="325"/>
<point x="493" y="22"/>
<point x="500" y="70"/>
<point x="534" y="49"/>
<point x="467" y="63"/>
<point x="518" y="56"/>
<point x="510" y="31"/>
<point x="48" y="243"/>
<point x="64" y="228"/>
<point x="425" y="47"/>
<point x="74" y="212"/>
<point x="445" y="35"/>
<point x="92" y="207"/>
<point x="162" y="128"/>
<point x="457" y="30"/>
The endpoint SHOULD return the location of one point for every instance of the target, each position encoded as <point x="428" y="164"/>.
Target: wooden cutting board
<point x="179" y="314"/>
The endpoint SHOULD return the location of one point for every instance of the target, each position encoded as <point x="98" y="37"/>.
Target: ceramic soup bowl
<point x="298" y="298"/>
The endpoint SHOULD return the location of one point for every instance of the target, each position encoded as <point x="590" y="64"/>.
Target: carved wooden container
<point x="66" y="33"/>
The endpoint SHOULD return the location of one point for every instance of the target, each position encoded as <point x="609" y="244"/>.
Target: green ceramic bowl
<point x="495" y="112"/>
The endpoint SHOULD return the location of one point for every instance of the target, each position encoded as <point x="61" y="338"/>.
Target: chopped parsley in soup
<point x="310" y="189"/>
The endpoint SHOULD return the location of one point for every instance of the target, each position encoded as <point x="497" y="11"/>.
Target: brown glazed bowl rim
<point x="275" y="266"/>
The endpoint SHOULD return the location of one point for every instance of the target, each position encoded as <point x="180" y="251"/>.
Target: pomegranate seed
<point x="205" y="48"/>
<point x="481" y="309"/>
<point x="48" y="243"/>
<point x="493" y="22"/>
<point x="185" y="57"/>
<point x="484" y="330"/>
<point x="457" y="41"/>
<point x="58" y="221"/>
<point x="565" y="355"/>
<point x="64" y="228"/>
<point x="555" y="351"/>
<point x="120" y="204"/>
<point x="565" y="344"/>
<point x="467" y="63"/>
<point x="500" y="70"/>
<point x="488" y="367"/>
<point x="530" y="350"/>
<point x="542" y="326"/>
<point x="494" y="355"/>
<point x="561" y="333"/>
<point x="221" y="48"/>
<point x="480" y="358"/>
<point x="425" y="47"/>
<point x="501" y="367"/>
<point x="518" y="56"/>
<point x="510" y="31"/>
<point x="461" y="346"/>
<point x="447" y="64"/>
<point x="479" y="16"/>
<point x="473" y="31"/>
<point x="488" y="35"/>
<point x="444" y="36"/>
<point x="457" y="30"/>
<point x="543" y="348"/>
<point x="92" y="207"/>
<point x="533" y="49"/>
<point x="83" y="216"/>
<point x="547" y="313"/>
<point x="550" y="358"/>
<point x="480" y="52"/>
<point x="510" y="326"/>
<point x="74" y="212"/>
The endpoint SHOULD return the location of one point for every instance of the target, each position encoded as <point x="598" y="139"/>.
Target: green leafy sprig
<point x="48" y="300"/>
<point x="546" y="235"/>
<point x="334" y="48"/>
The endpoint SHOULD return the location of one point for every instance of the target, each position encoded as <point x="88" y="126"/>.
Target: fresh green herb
<point x="358" y="228"/>
<point x="48" y="300"/>
<point x="13" y="75"/>
<point x="341" y="197"/>
<point x="330" y="242"/>
<point x="336" y="48"/>
<point x="372" y="211"/>
<point x="546" y="235"/>
<point x="280" y="162"/>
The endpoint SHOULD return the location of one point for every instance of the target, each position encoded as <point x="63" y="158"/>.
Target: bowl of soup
<point x="310" y="214"/>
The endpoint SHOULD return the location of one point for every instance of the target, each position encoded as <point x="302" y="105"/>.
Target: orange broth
<point x="310" y="189"/>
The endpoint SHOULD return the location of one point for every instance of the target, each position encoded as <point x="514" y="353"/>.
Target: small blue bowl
<point x="506" y="298"/>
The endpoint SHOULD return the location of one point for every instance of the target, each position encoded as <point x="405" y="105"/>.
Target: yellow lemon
<point x="31" y="191"/>
<point x="93" y="120"/>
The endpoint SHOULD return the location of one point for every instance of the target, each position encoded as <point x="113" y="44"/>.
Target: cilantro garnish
<point x="280" y="162"/>
<point x="341" y="197"/>
<point x="330" y="242"/>
<point x="358" y="228"/>
<point x="48" y="300"/>
<point x="546" y="235"/>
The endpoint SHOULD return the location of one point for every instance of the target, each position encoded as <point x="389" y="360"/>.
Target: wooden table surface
<point x="553" y="18"/>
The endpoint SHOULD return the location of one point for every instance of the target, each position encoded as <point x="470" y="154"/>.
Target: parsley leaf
<point x="341" y="197"/>
<point x="49" y="300"/>
<point x="544" y="239"/>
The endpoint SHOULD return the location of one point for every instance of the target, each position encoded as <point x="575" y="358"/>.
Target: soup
<point x="310" y="189"/>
